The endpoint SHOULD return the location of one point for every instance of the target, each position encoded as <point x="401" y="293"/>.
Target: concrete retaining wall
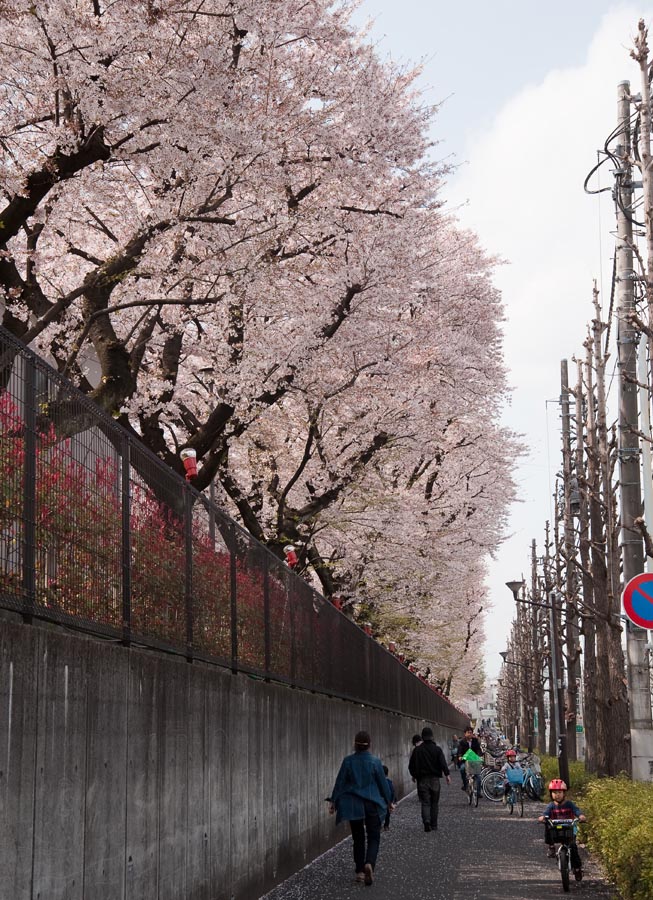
<point x="130" y="775"/>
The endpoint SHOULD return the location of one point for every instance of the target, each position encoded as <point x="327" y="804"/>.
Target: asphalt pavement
<point x="476" y="854"/>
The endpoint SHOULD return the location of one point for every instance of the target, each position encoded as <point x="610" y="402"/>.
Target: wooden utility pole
<point x="629" y="463"/>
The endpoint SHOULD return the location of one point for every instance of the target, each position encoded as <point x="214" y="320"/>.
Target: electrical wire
<point x="591" y="172"/>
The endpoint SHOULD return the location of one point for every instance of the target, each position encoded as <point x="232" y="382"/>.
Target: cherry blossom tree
<point x="221" y="219"/>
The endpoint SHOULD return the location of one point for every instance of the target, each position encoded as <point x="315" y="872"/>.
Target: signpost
<point x="638" y="600"/>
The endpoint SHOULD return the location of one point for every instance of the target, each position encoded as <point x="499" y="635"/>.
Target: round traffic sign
<point x="638" y="600"/>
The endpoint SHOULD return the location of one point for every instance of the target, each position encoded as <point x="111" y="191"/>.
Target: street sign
<point x="637" y="599"/>
<point x="579" y="729"/>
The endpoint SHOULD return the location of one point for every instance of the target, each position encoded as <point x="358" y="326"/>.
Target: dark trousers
<point x="428" y="791"/>
<point x="549" y="838"/>
<point x="372" y="825"/>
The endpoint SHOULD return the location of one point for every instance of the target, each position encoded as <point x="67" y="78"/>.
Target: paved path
<point x="476" y="854"/>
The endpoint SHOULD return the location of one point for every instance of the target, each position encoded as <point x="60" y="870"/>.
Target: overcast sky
<point x="528" y="93"/>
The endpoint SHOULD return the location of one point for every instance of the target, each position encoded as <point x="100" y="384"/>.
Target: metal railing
<point x="97" y="533"/>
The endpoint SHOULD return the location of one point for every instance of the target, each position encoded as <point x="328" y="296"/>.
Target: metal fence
<point x="97" y="533"/>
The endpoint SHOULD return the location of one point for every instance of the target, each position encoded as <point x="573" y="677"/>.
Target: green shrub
<point x="621" y="832"/>
<point x="578" y="776"/>
<point x="619" y="829"/>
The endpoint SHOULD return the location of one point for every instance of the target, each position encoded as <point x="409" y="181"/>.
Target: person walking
<point x="361" y="796"/>
<point x="427" y="765"/>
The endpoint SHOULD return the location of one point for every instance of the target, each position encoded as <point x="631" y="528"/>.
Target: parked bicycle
<point x="515" y="792"/>
<point x="533" y="781"/>
<point x="564" y="831"/>
<point x="492" y="786"/>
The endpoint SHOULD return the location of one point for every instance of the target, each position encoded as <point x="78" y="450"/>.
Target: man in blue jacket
<point x="361" y="796"/>
<point x="427" y="765"/>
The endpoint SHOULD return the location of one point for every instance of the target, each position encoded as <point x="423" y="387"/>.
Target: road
<point x="476" y="854"/>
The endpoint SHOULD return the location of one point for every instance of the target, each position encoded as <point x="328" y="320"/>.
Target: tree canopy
<point x="222" y="221"/>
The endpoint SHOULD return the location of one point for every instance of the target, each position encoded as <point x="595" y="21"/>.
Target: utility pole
<point x="629" y="458"/>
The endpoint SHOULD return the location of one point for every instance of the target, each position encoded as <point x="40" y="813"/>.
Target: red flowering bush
<point x="78" y="555"/>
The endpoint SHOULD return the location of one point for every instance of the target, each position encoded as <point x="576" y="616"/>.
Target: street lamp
<point x="521" y="666"/>
<point x="515" y="586"/>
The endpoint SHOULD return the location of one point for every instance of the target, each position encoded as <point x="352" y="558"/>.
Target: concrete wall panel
<point x="142" y="823"/>
<point x="59" y="796"/>
<point x="151" y="779"/>
<point x="106" y="774"/>
<point x="173" y="780"/>
<point x="238" y="763"/>
<point x="198" y="815"/>
<point x="18" y="703"/>
<point x="220" y="713"/>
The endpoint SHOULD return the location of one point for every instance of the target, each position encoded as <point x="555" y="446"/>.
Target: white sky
<point x="530" y="91"/>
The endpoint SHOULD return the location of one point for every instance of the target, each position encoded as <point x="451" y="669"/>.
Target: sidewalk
<point x="476" y="854"/>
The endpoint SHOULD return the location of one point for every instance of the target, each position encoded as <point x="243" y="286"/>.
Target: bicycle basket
<point x="563" y="832"/>
<point x="472" y="767"/>
<point x="515" y="776"/>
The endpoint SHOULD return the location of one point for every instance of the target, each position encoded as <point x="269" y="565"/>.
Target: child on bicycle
<point x="512" y="764"/>
<point x="561" y="808"/>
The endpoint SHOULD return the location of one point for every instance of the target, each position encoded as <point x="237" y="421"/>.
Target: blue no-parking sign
<point x="638" y="600"/>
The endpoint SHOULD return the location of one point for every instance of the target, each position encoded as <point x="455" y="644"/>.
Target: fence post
<point x="29" y="491"/>
<point x="234" y="606"/>
<point x="126" y="539"/>
<point x="266" y="614"/>
<point x="188" y="535"/>
<point x="291" y="621"/>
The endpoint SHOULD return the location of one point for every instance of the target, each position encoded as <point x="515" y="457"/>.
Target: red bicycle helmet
<point x="557" y="785"/>
<point x="510" y="754"/>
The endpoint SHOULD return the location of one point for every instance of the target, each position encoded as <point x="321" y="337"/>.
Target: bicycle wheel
<point x="520" y="801"/>
<point x="563" y="863"/>
<point x="477" y="788"/>
<point x="470" y="790"/>
<point x="492" y="787"/>
<point x="510" y="799"/>
<point x="534" y="787"/>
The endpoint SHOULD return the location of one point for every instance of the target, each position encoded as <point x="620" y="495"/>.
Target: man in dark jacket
<point x="468" y="742"/>
<point x="427" y="765"/>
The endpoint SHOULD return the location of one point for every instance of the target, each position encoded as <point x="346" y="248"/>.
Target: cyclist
<point x="510" y="763"/>
<point x="468" y="742"/>
<point x="561" y="808"/>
